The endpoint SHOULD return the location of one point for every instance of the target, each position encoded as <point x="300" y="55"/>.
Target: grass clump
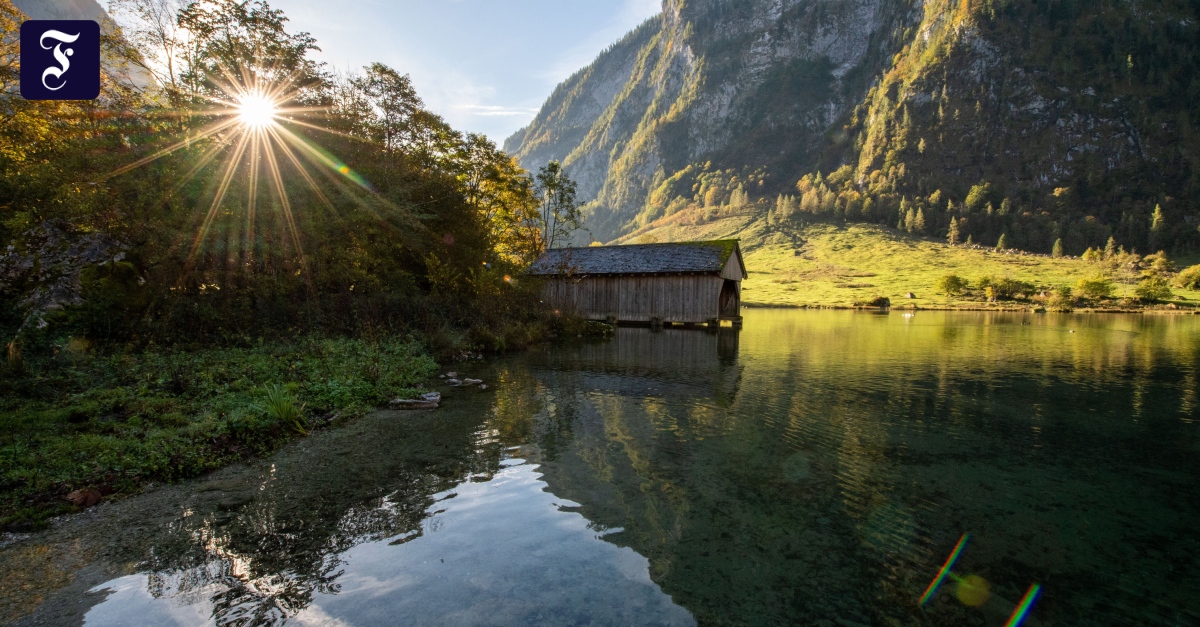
<point x="280" y="404"/>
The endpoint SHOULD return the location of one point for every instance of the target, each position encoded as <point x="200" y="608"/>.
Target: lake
<point x="815" y="468"/>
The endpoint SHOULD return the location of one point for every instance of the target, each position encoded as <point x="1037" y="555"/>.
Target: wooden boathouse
<point x="688" y="282"/>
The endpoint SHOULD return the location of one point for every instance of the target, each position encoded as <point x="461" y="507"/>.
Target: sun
<point x="255" y="110"/>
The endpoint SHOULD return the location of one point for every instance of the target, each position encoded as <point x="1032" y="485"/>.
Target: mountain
<point x="1035" y="120"/>
<point x="62" y="9"/>
<point x="86" y="10"/>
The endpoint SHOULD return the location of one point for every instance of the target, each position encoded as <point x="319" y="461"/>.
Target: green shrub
<point x="952" y="285"/>
<point x="1094" y="288"/>
<point x="1189" y="278"/>
<point x="1153" y="288"/>
<point x="1006" y="289"/>
<point x="1061" y="298"/>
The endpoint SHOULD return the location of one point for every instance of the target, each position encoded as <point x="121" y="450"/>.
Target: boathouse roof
<point x="711" y="257"/>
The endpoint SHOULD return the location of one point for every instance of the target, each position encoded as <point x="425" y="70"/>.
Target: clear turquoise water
<point x="815" y="468"/>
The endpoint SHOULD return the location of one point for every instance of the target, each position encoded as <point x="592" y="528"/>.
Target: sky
<point x="484" y="65"/>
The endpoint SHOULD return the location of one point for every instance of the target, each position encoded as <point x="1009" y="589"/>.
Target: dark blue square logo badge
<point x="60" y="60"/>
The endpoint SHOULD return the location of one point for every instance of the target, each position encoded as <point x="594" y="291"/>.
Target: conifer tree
<point x="1158" y="224"/>
<point x="953" y="235"/>
<point x="1057" y="251"/>
<point x="1110" y="249"/>
<point x="1002" y="243"/>
<point x="919" y="222"/>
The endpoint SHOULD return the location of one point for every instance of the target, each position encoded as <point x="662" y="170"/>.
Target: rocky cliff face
<point x="749" y="82"/>
<point x="62" y="9"/>
<point x="1069" y="108"/>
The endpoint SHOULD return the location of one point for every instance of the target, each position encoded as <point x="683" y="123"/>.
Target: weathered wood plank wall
<point x="672" y="298"/>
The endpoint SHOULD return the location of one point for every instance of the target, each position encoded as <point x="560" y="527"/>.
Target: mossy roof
<point x="674" y="258"/>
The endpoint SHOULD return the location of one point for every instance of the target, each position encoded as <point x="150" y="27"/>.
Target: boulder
<point x="429" y="400"/>
<point x="910" y="295"/>
<point x="469" y="381"/>
<point x="453" y="382"/>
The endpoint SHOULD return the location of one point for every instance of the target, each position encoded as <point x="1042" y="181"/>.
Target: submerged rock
<point x="84" y="498"/>
<point x="453" y="382"/>
<point x="469" y="381"/>
<point x="429" y="400"/>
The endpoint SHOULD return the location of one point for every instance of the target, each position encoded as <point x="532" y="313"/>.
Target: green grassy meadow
<point x="838" y="265"/>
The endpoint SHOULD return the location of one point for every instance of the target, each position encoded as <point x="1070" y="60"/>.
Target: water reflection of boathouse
<point x="682" y="363"/>
<point x="689" y="282"/>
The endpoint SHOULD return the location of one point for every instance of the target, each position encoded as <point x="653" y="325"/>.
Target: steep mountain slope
<point x="747" y="82"/>
<point x="1038" y="120"/>
<point x="86" y="10"/>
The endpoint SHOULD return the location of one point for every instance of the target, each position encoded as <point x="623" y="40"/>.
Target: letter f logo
<point x="60" y="60"/>
<point x="59" y="55"/>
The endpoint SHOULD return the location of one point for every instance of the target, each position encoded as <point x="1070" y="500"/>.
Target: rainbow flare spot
<point x="1026" y="604"/>
<point x="937" y="581"/>
<point x="326" y="158"/>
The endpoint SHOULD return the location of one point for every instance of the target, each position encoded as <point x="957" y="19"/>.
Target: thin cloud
<point x="495" y="110"/>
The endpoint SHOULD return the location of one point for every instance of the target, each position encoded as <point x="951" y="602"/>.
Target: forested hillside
<point x="1038" y="121"/>
<point x="150" y="211"/>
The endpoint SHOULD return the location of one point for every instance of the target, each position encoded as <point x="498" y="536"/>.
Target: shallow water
<point x="815" y="468"/>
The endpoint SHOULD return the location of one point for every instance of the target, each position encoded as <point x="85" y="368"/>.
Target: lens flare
<point x="1022" y="610"/>
<point x="945" y="570"/>
<point x="973" y="590"/>
<point x="256" y="110"/>
<point x="256" y="124"/>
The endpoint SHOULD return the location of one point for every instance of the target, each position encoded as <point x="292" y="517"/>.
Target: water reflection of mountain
<point x="662" y="448"/>
<point x="819" y="477"/>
